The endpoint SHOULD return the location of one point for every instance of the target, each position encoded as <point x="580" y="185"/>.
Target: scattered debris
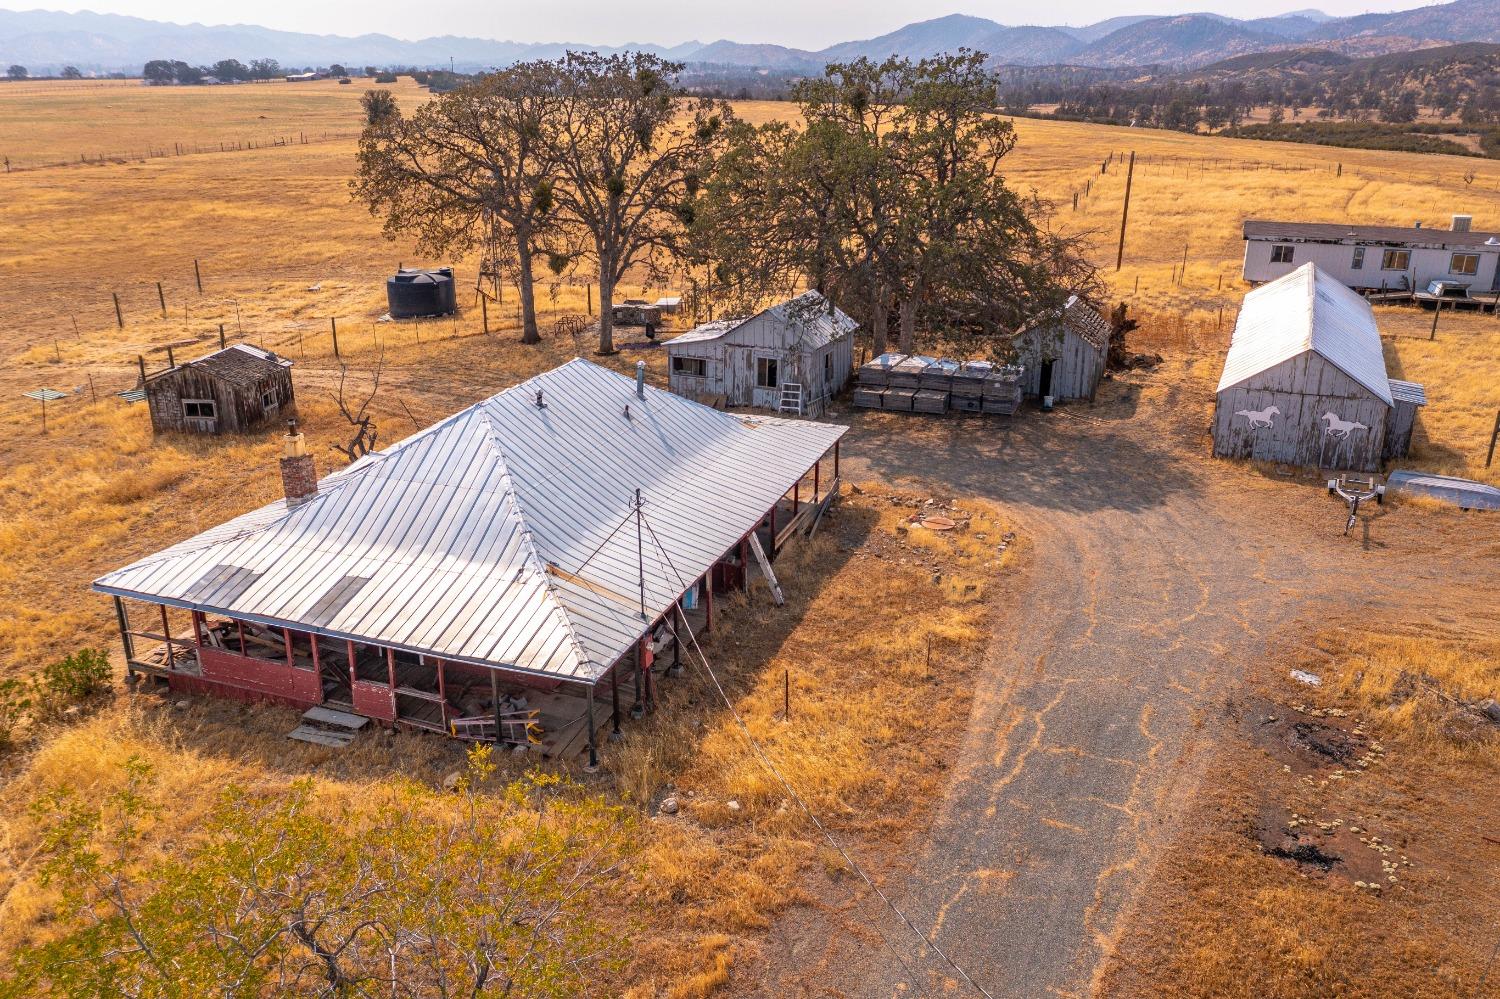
<point x="1311" y="679"/>
<point x="732" y="805"/>
<point x="315" y="287"/>
<point x="669" y="806"/>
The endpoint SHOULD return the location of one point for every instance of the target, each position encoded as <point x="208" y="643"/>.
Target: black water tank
<point x="421" y="293"/>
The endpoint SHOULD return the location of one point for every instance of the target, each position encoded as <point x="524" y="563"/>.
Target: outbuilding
<point x="1376" y="258"/>
<point x="230" y="391"/>
<point x="1062" y="352"/>
<point x="1305" y="381"/>
<point x="792" y="357"/>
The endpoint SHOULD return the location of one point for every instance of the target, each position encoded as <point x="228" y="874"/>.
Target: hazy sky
<point x="808" y="24"/>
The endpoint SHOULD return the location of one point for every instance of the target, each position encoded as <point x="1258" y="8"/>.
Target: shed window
<point x="1359" y="258"/>
<point x="828" y="368"/>
<point x="199" y="409"/>
<point x="1395" y="260"/>
<point x="268" y="400"/>
<point x="1281" y="254"/>
<point x="1464" y="263"/>
<point x="766" y="374"/>
<point x="695" y="366"/>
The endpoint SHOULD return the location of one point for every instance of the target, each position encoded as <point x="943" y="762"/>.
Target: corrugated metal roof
<point x="1307" y="310"/>
<point x="1411" y="392"/>
<point x="468" y="540"/>
<point x="1466" y="493"/>
<point x="809" y="320"/>
<point x="1393" y="235"/>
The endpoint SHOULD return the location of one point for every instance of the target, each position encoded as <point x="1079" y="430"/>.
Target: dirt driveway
<point x="1152" y="574"/>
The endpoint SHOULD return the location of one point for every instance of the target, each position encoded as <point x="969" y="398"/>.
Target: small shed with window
<point x="232" y="390"/>
<point x="791" y="357"/>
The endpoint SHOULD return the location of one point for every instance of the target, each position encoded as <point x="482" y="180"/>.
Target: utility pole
<point x="1125" y="214"/>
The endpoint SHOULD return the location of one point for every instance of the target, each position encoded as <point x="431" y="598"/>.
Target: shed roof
<point x="491" y="537"/>
<point x="1078" y="316"/>
<point x="1394" y="235"/>
<point x="1307" y="310"/>
<point x="809" y="320"/>
<point x="241" y="365"/>
<point x="1411" y="392"/>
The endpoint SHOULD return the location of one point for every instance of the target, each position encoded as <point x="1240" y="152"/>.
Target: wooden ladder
<point x="791" y="398"/>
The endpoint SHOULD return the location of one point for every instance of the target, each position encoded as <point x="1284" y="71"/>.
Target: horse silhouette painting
<point x="1259" y="419"/>
<point x="1340" y="429"/>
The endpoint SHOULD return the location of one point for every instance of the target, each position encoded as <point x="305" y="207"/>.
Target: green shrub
<point x="81" y="675"/>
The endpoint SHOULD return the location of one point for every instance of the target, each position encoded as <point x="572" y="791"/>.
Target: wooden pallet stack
<point x="934" y="386"/>
<point x="1002" y="391"/>
<point x="968" y="386"/>
<point x="873" y="379"/>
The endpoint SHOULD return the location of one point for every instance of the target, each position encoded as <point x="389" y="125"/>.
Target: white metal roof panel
<point x="473" y="537"/>
<point x="1307" y="310"/>
<point x="1411" y="392"/>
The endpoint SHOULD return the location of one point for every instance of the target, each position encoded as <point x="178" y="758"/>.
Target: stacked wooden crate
<point x="873" y="379"/>
<point x="968" y="386"/>
<point x="934" y="385"/>
<point x="1002" y="391"/>
<point x="905" y="379"/>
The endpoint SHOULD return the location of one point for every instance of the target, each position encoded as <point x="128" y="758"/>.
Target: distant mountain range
<point x="45" y="41"/>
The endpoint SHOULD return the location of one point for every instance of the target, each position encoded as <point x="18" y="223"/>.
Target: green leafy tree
<point x="72" y="73"/>
<point x="17" y="72"/>
<point x="418" y="895"/>
<point x="379" y="106"/>
<point x="159" y="72"/>
<point x="230" y="70"/>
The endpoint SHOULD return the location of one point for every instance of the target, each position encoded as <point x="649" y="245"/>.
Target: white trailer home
<point x="1305" y="380"/>
<point x="1375" y="258"/>
<point x="792" y="357"/>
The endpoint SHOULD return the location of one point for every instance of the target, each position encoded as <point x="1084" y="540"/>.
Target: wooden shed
<point x="1406" y="398"/>
<point x="792" y="357"/>
<point x="229" y="391"/>
<point x="1305" y="382"/>
<point x="1063" y="351"/>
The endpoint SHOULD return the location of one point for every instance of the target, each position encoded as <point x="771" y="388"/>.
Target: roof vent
<point x="1463" y="223"/>
<point x="540" y="404"/>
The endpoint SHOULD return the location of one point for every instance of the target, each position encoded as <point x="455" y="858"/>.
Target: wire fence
<point x="181" y="148"/>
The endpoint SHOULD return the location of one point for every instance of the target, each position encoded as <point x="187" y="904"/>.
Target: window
<point x="1395" y="260"/>
<point x="199" y="409"/>
<point x="695" y="366"/>
<point x="1359" y="258"/>
<point x="766" y="373"/>
<point x="1281" y="254"/>
<point x="268" y="401"/>
<point x="1464" y="263"/>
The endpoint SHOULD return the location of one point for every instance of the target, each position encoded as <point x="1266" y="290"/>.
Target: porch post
<point x="349" y="653"/>
<point x="166" y="632"/>
<point x="649" y="677"/>
<point x="495" y="701"/>
<point x="772" y="546"/>
<point x="196" y="618"/>
<point x="240" y="628"/>
<point x="593" y="763"/>
<point x="124" y="621"/>
<point x="286" y="636"/>
<point x="744" y="565"/>
<point x="835" y="459"/>
<point x="708" y="603"/>
<point x="390" y="668"/>
<point x="796" y="495"/>
<point x="817" y="468"/>
<point x="442" y="695"/>
<point x="638" y="709"/>
<point x="679" y="625"/>
<point x="318" y="666"/>
<point x="615" y="734"/>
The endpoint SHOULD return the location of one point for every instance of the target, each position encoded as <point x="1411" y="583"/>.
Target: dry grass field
<point x="282" y="250"/>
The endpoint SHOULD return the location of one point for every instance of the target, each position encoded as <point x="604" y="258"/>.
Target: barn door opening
<point x="1044" y="383"/>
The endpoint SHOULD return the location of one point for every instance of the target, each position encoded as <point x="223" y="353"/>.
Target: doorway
<point x="1044" y="381"/>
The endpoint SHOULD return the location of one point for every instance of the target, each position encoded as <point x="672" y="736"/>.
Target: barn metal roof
<point x="1411" y="392"/>
<point x="1378" y="235"/>
<point x="1301" y="311"/>
<point x="471" y="540"/>
<point x="810" y="321"/>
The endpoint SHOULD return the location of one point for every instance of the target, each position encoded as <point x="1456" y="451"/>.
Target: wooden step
<point x="320" y="715"/>
<point x="321" y="736"/>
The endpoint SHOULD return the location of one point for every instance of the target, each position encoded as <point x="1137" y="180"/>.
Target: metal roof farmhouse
<point x="494" y="538"/>
<point x="1305" y="381"/>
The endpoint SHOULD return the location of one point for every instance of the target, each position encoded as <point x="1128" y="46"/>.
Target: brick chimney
<point x="299" y="479"/>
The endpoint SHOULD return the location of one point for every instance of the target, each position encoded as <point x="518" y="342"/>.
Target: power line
<point x="806" y="809"/>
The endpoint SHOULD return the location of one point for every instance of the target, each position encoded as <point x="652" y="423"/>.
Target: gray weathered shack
<point x="793" y="356"/>
<point x="1063" y="352"/>
<point x="1406" y="397"/>
<point x="1304" y="381"/>
<point x="229" y="391"/>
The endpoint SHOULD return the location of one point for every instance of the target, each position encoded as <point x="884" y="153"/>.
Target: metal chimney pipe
<point x="640" y="379"/>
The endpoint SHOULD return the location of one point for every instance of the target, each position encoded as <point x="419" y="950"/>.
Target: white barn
<point x="794" y="356"/>
<point x="1063" y="351"/>
<point x="1305" y="381"/>
<point x="1375" y="257"/>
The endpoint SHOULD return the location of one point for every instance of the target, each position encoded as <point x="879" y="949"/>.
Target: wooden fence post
<point x="1494" y="434"/>
<point x="333" y="324"/>
<point x="222" y="344"/>
<point x="484" y="310"/>
<point x="162" y="298"/>
<point x="1437" y="310"/>
<point x="1125" y="213"/>
<point x="119" y="316"/>
<point x="198" y="276"/>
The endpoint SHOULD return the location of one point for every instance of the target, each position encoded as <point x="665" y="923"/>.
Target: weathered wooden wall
<point x="1077" y="365"/>
<point x="240" y="407"/>
<point x="1399" y="424"/>
<point x="730" y="366"/>
<point x="1302" y="389"/>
